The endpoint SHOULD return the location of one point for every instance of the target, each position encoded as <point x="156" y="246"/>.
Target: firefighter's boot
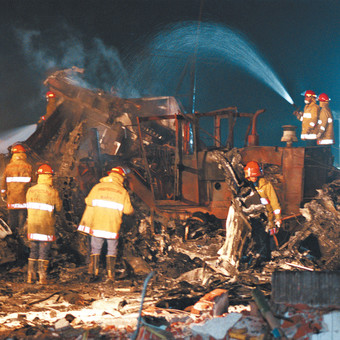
<point x="32" y="270"/>
<point x="43" y="265"/>
<point x="94" y="268"/>
<point x="90" y="268"/>
<point x="110" y="268"/>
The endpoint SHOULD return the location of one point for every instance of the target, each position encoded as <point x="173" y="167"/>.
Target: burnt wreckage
<point x="179" y="170"/>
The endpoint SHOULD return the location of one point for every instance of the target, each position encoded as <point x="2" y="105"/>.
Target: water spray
<point x="8" y="138"/>
<point x="216" y="42"/>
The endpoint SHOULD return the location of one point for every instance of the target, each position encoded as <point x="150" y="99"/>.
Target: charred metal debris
<point x="182" y="187"/>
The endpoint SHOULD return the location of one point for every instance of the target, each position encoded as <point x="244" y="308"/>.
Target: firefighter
<point x="51" y="106"/>
<point x="309" y="118"/>
<point x="102" y="219"/>
<point x="16" y="180"/>
<point x="42" y="202"/>
<point x="265" y="189"/>
<point x="325" y="132"/>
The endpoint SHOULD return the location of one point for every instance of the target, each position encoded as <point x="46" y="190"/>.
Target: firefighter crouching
<point x="42" y="202"/>
<point x="16" y="180"/>
<point x="265" y="189"/>
<point x="102" y="219"/>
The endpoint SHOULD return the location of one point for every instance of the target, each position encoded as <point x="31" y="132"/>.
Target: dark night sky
<point x="299" y="39"/>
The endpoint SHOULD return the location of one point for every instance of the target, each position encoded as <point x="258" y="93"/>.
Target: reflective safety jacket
<point x="105" y="206"/>
<point x="42" y="202"/>
<point x="16" y="180"/>
<point x="270" y="200"/>
<point x="309" y="121"/>
<point x="50" y="108"/>
<point x="325" y="125"/>
<point x="86" y="220"/>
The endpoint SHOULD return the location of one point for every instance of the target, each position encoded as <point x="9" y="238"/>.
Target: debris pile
<point x="207" y="282"/>
<point x="191" y="294"/>
<point x="317" y="240"/>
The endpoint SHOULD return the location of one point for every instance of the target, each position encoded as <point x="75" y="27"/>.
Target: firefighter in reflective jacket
<point x="16" y="180"/>
<point x="325" y="135"/>
<point x="265" y="189"/>
<point x="102" y="219"/>
<point x="309" y="117"/>
<point x="42" y="203"/>
<point x="51" y="106"/>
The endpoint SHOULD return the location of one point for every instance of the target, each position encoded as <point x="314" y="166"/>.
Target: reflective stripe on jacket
<point x="16" y="180"/>
<point x="105" y="206"/>
<point x="86" y="220"/>
<point x="42" y="202"/>
<point x="269" y="199"/>
<point x="309" y="121"/>
<point x="325" y="125"/>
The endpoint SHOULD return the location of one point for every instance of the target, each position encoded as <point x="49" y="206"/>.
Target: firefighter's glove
<point x="297" y="114"/>
<point x="278" y="224"/>
<point x="318" y="135"/>
<point x="273" y="231"/>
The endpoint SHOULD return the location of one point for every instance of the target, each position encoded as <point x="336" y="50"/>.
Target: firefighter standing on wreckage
<point x="16" y="180"/>
<point x="309" y="118"/>
<point x="325" y="130"/>
<point x="50" y="107"/>
<point x="265" y="189"/>
<point x="42" y="202"/>
<point x="102" y="219"/>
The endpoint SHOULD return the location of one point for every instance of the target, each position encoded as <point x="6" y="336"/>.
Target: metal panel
<point x="190" y="179"/>
<point x="292" y="170"/>
<point x="331" y="327"/>
<point x="316" y="289"/>
<point x="318" y="162"/>
<point x="262" y="154"/>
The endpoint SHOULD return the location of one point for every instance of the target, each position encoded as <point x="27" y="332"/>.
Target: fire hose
<point x="274" y="230"/>
<point x="135" y="334"/>
<point x="266" y="312"/>
<point x="291" y="216"/>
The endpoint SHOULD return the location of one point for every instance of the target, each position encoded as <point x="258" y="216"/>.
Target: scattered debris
<point x="206" y="282"/>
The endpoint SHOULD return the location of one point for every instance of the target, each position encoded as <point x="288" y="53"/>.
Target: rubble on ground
<point x="204" y="273"/>
<point x="184" y="257"/>
<point x="321" y="226"/>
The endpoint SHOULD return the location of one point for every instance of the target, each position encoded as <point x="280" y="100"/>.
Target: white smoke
<point x="37" y="57"/>
<point x="62" y="49"/>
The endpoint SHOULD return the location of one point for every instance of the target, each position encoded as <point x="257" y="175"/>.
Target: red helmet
<point x="308" y="93"/>
<point x="50" y="94"/>
<point x="18" y="148"/>
<point x="323" y="98"/>
<point x="118" y="170"/>
<point x="45" y="169"/>
<point x="252" y="169"/>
